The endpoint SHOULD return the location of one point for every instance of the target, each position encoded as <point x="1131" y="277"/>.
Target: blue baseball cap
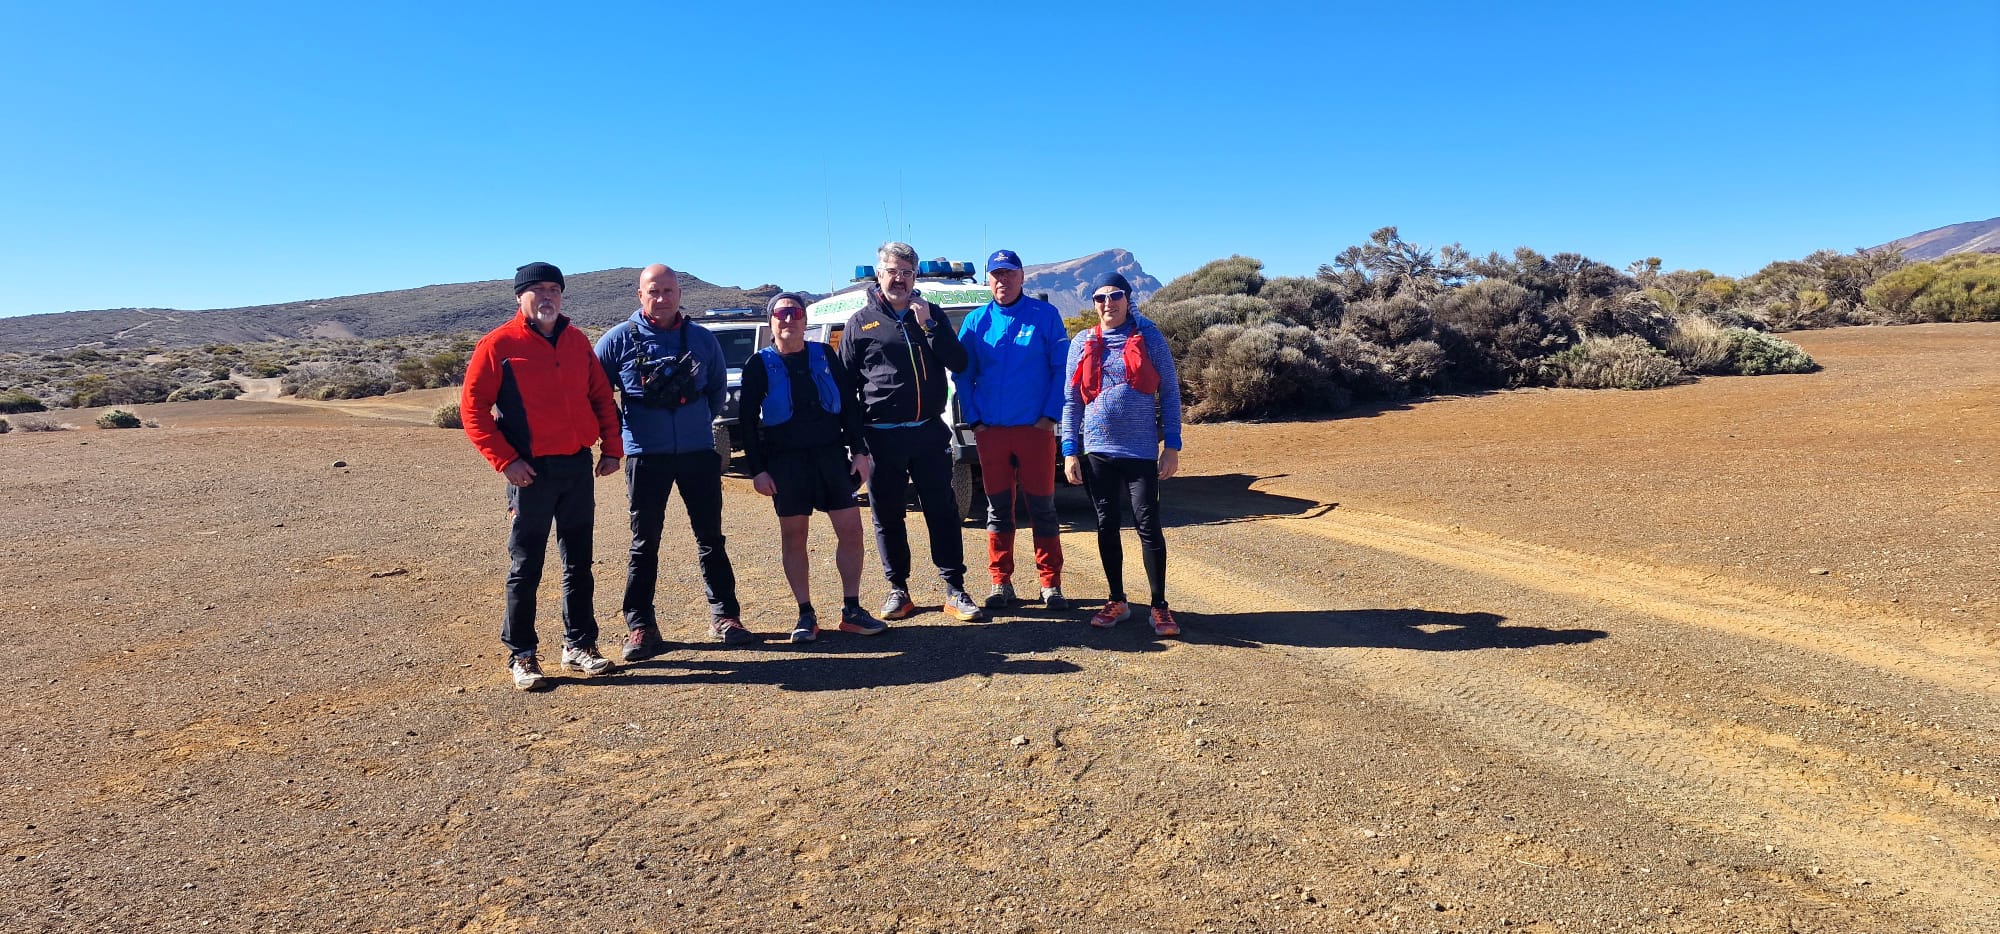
<point x="1003" y="259"/>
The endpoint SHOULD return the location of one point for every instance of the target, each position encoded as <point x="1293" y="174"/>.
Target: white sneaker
<point x="527" y="672"/>
<point x="584" y="658"/>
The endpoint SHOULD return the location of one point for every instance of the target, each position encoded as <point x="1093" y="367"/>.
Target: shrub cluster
<point x="338" y="381"/>
<point x="447" y="416"/>
<point x="118" y="418"/>
<point x="4" y="427"/>
<point x="201" y="392"/>
<point x="1389" y="320"/>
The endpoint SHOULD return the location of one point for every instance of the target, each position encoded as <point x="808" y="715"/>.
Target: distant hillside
<point x="1970" y="237"/>
<point x="1068" y="282"/>
<point x="598" y="299"/>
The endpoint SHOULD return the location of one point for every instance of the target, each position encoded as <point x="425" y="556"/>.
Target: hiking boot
<point x="643" y="642"/>
<point x="806" y="629"/>
<point x="527" y="672"/>
<point x="897" y="606"/>
<point x="856" y="620"/>
<point x="959" y="604"/>
<point x="1111" y="614"/>
<point x="1002" y="596"/>
<point x="1163" y="622"/>
<point x="729" y="630"/>
<point x="584" y="658"/>
<point x="1052" y="599"/>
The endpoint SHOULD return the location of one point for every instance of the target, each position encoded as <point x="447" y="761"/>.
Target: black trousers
<point x="649" y="481"/>
<point x="1111" y="480"/>
<point x="561" y="496"/>
<point x="919" y="457"/>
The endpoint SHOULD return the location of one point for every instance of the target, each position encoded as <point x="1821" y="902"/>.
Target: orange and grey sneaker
<point x="1111" y="614"/>
<point x="1163" y="622"/>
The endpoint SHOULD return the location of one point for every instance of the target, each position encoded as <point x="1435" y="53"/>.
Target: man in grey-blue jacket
<point x="671" y="379"/>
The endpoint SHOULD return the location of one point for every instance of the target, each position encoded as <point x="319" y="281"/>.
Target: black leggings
<point x="1109" y="480"/>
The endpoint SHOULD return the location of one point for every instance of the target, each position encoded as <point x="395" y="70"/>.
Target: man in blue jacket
<point x="899" y="348"/>
<point x="671" y="379"/>
<point x="1011" y="392"/>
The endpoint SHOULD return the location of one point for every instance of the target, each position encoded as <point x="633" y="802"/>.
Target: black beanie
<point x="532" y="273"/>
<point x="1113" y="280"/>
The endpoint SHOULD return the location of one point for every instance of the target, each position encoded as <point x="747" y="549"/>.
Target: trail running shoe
<point x="856" y="620"/>
<point x="729" y="630"/>
<point x="897" y="606"/>
<point x="806" y="629"/>
<point x="527" y="672"/>
<point x="959" y="604"/>
<point x="1002" y="596"/>
<point x="1111" y="614"/>
<point x="1163" y="622"/>
<point x="585" y="659"/>
<point x="643" y="643"/>
<point x="1052" y="599"/>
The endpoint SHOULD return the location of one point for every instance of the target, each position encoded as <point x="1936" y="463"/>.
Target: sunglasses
<point x="1111" y="296"/>
<point x="783" y="313"/>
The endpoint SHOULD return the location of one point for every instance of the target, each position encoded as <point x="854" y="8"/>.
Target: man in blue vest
<point x="802" y="442"/>
<point x="671" y="378"/>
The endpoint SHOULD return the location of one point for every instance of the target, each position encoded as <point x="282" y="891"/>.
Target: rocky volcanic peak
<point x="1969" y="237"/>
<point x="1068" y="282"/>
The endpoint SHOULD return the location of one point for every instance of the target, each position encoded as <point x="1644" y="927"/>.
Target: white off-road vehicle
<point x="742" y="332"/>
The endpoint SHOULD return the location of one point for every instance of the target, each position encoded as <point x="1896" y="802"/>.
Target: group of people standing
<point x="817" y="426"/>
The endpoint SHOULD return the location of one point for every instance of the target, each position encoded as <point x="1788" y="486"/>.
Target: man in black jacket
<point x="899" y="347"/>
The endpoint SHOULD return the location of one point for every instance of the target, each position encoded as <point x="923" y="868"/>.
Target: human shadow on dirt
<point x="1411" y="629"/>
<point x="908" y="653"/>
<point x="1215" y="499"/>
<point x="928" y="653"/>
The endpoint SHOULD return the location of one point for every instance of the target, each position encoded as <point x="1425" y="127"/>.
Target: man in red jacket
<point x="553" y="403"/>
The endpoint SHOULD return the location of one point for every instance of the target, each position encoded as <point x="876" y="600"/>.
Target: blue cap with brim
<point x="1003" y="259"/>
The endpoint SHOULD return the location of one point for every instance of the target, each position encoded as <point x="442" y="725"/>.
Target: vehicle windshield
<point x="737" y="345"/>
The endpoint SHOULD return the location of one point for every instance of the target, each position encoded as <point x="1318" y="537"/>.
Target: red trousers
<point x="1019" y="465"/>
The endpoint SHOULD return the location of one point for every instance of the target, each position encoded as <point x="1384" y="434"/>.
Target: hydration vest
<point x="777" y="408"/>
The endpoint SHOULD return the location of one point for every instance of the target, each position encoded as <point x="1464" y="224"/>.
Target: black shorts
<point x="820" y="478"/>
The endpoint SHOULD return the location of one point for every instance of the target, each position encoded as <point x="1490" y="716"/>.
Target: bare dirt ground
<point x="1715" y="658"/>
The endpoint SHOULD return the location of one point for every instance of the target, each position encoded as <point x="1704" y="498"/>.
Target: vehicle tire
<point x="966" y="489"/>
<point x="722" y="449"/>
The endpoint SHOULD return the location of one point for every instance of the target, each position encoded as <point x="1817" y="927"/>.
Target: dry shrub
<point x="4" y="427"/>
<point x="1622" y="362"/>
<point x="203" y="392"/>
<point x="447" y="416"/>
<point x="43" y="423"/>
<point x="1388" y="322"/>
<point x="1701" y="346"/>
<point x="1501" y="332"/>
<point x="1237" y="275"/>
<point x="1754" y="353"/>
<point x="1183" y="321"/>
<point x="1373" y="371"/>
<point x="15" y="402"/>
<point x="118" y="418"/>
<point x="1236" y="371"/>
<point x="1314" y="303"/>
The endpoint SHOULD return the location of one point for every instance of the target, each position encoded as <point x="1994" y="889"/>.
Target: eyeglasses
<point x="899" y="274"/>
<point x="787" y="313"/>
<point x="1108" y="297"/>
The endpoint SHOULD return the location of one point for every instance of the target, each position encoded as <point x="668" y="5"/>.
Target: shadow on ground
<point x="1415" y="630"/>
<point x="930" y="653"/>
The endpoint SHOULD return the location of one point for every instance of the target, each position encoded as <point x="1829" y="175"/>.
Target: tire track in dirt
<point x="1869" y="820"/>
<point x="1709" y="601"/>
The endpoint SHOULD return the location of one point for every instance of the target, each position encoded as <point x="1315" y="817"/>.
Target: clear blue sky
<point x="219" y="154"/>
